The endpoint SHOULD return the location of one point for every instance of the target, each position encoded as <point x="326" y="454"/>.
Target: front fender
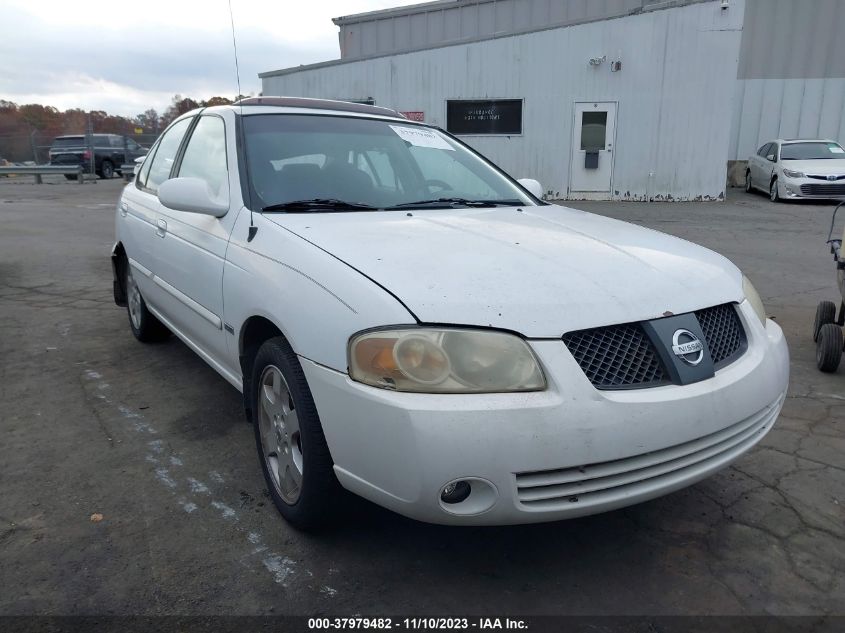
<point x="314" y="299"/>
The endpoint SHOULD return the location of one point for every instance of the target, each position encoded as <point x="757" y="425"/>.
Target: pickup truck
<point x="110" y="152"/>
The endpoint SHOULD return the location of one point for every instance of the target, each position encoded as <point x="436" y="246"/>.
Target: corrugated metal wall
<point x="791" y="77"/>
<point x="674" y="93"/>
<point x="432" y="24"/>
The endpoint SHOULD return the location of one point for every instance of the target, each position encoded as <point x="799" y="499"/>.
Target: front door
<point x="189" y="260"/>
<point x="593" y="134"/>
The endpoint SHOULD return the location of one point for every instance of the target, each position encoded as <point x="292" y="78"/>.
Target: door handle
<point x="124" y="209"/>
<point x="162" y="228"/>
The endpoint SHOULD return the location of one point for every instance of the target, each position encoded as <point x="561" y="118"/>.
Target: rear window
<point x="69" y="141"/>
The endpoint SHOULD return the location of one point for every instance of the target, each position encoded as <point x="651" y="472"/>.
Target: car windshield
<point x="811" y="151"/>
<point x="320" y="161"/>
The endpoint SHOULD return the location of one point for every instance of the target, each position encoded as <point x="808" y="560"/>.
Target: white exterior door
<point x="593" y="134"/>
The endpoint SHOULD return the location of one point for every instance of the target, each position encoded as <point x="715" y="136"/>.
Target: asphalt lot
<point x="154" y="440"/>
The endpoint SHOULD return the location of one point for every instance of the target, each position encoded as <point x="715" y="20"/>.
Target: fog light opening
<point x="455" y="492"/>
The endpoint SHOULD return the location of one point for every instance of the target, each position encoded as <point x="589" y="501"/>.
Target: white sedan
<point x="409" y="323"/>
<point x="795" y="169"/>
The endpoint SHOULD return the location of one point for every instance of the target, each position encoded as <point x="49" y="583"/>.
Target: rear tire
<point x="749" y="186"/>
<point x="106" y="170"/>
<point x="292" y="449"/>
<point x="829" y="348"/>
<point x="825" y="313"/>
<point x="145" y="327"/>
<point x="774" y="194"/>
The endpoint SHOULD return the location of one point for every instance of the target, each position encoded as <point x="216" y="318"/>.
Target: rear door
<point x="189" y="258"/>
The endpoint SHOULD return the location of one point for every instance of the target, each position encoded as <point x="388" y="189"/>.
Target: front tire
<point x="749" y="186"/>
<point x="145" y="327"/>
<point x="774" y="193"/>
<point x="106" y="170"/>
<point x="825" y="313"/>
<point x="829" y="348"/>
<point x="292" y="449"/>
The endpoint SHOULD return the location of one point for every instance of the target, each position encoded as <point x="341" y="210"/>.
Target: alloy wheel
<point x="133" y="299"/>
<point x="281" y="439"/>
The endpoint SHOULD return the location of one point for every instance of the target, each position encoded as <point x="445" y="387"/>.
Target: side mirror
<point x="192" y="195"/>
<point x="533" y="186"/>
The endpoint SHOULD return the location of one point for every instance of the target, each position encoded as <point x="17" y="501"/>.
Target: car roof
<point x="790" y="141"/>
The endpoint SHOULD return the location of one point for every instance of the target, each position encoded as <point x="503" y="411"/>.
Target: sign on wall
<point x="414" y="115"/>
<point x="490" y="116"/>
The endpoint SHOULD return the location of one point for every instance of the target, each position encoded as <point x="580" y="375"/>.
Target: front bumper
<point x="565" y="452"/>
<point x="811" y="189"/>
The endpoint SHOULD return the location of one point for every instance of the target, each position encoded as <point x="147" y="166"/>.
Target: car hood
<point x="834" y="166"/>
<point x="540" y="271"/>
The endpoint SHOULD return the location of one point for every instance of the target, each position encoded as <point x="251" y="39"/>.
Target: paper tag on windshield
<point x="835" y="149"/>
<point x="422" y="137"/>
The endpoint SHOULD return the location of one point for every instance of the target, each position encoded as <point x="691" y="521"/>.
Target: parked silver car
<point x="794" y="169"/>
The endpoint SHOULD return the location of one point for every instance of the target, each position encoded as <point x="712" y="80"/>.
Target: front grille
<point x="823" y="190"/>
<point x="611" y="481"/>
<point x="624" y="357"/>
<point x="815" y="177"/>
<point x="723" y="333"/>
<point x="616" y="357"/>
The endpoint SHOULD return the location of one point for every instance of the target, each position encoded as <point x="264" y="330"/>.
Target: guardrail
<point x="43" y="170"/>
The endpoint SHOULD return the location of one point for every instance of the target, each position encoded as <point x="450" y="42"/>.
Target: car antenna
<point x="252" y="228"/>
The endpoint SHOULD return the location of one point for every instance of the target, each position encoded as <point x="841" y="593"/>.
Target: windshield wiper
<point x="447" y="203"/>
<point x="322" y="204"/>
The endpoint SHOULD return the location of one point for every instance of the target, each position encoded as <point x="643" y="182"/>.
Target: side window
<point x="145" y="167"/>
<point x="205" y="157"/>
<point x="162" y="162"/>
<point x="762" y="150"/>
<point x="773" y="150"/>
<point x="116" y="142"/>
<point x="132" y="145"/>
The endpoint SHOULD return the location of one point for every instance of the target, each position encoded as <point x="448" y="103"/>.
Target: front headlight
<point x="435" y="360"/>
<point x="754" y="299"/>
<point x="793" y="174"/>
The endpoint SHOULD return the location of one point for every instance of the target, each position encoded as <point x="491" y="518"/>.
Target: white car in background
<point x="795" y="169"/>
<point x="408" y="322"/>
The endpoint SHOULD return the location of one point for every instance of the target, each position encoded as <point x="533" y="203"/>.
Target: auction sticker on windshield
<point x="422" y="137"/>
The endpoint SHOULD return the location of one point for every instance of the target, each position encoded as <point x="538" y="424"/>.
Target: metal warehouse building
<point x="603" y="99"/>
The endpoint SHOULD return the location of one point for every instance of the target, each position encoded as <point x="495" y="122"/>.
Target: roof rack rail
<point x="319" y="104"/>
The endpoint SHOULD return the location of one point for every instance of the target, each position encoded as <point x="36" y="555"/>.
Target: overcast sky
<point x="124" y="57"/>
